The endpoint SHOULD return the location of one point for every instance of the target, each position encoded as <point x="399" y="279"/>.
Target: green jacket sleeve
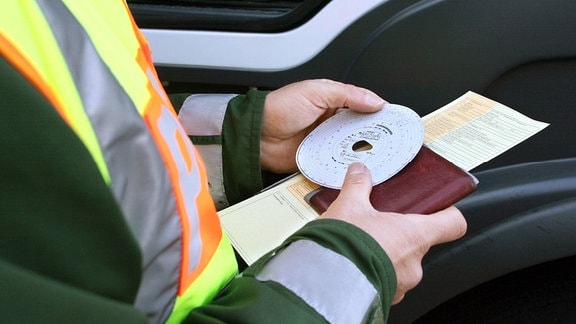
<point x="29" y="297"/>
<point x="225" y="130"/>
<point x="241" y="145"/>
<point x="257" y="298"/>
<point x="66" y="254"/>
<point x="265" y="293"/>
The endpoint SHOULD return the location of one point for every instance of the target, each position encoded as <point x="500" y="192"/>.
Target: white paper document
<point x="264" y="221"/>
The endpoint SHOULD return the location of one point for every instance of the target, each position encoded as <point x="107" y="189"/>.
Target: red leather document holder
<point x="429" y="183"/>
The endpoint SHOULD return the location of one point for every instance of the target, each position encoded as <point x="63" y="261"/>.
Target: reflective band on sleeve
<point x="326" y="280"/>
<point x="202" y="115"/>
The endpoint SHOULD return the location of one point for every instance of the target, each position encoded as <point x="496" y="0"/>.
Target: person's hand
<point x="291" y="112"/>
<point x="404" y="237"/>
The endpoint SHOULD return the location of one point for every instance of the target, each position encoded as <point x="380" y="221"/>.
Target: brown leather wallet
<point x="428" y="183"/>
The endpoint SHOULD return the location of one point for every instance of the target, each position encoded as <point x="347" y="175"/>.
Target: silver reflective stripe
<point x="189" y="186"/>
<point x="139" y="179"/>
<point x="203" y="115"/>
<point x="324" y="279"/>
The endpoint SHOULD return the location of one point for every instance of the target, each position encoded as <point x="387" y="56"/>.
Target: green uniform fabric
<point x="245" y="292"/>
<point x="65" y="252"/>
<point x="67" y="255"/>
<point x="241" y="146"/>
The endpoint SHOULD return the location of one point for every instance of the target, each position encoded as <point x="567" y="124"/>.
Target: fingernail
<point x="356" y="168"/>
<point x="373" y="100"/>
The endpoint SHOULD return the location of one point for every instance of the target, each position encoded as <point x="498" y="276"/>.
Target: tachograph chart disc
<point x="385" y="141"/>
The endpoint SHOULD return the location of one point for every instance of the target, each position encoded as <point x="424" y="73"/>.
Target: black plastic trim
<point x="239" y="16"/>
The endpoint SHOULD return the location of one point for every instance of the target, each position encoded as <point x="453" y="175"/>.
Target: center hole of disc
<point x="361" y="146"/>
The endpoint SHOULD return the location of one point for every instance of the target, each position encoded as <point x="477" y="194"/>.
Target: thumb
<point x="357" y="184"/>
<point x="354" y="197"/>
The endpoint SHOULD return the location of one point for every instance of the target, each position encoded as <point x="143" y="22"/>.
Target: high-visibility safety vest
<point x="90" y="61"/>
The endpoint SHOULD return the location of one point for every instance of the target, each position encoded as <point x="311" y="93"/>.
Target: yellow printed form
<point x="473" y="129"/>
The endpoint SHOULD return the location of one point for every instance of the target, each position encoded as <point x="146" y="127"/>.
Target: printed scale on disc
<point x="384" y="141"/>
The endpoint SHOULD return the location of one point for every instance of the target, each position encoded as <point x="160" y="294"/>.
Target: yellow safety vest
<point x="89" y="59"/>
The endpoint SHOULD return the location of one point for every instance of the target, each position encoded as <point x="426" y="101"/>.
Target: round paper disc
<point x="384" y="141"/>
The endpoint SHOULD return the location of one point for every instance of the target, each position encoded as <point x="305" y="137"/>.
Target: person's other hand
<point x="404" y="237"/>
<point x="291" y="112"/>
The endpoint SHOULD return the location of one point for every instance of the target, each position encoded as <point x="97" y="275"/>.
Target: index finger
<point x="339" y="94"/>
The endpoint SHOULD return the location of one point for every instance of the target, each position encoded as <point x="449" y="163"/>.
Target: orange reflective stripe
<point x="144" y="54"/>
<point x="22" y="64"/>
<point x="181" y="139"/>
<point x="210" y="228"/>
<point x="208" y="231"/>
